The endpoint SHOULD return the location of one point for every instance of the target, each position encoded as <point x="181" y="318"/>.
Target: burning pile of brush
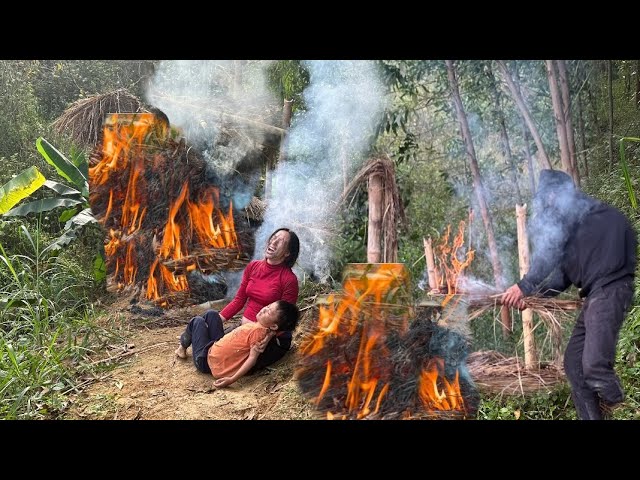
<point x="163" y="218"/>
<point x="370" y="357"/>
<point x="449" y="260"/>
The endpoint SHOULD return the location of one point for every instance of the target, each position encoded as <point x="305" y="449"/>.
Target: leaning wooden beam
<point x="264" y="126"/>
<point x="530" y="354"/>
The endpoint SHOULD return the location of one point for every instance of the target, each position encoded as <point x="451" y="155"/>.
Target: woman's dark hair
<point x="294" y="247"/>
<point x="288" y="316"/>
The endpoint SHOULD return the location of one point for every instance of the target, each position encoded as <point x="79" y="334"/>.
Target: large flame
<point x="127" y="153"/>
<point x="373" y="305"/>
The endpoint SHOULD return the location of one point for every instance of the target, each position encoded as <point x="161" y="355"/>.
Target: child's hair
<point x="288" y="315"/>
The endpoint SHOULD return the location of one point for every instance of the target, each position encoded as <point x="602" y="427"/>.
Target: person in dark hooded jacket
<point x="581" y="241"/>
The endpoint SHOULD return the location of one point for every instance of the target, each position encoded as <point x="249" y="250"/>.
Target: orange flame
<point x="448" y="259"/>
<point x="364" y="309"/>
<point x="124" y="138"/>
<point x="435" y="397"/>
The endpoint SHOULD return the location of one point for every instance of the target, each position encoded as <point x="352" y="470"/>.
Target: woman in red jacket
<point x="264" y="282"/>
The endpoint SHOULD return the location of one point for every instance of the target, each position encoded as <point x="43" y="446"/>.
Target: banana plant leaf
<point x="20" y="187"/>
<point x="43" y="205"/>
<point x="79" y="159"/>
<point x="61" y="188"/>
<point x="63" y="166"/>
<point x="81" y="219"/>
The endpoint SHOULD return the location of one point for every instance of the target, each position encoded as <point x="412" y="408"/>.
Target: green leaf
<point x="64" y="167"/>
<point x="79" y="159"/>
<point x="99" y="268"/>
<point x="61" y="188"/>
<point x="67" y="215"/>
<point x="81" y="219"/>
<point x="20" y="187"/>
<point x="62" y="240"/>
<point x="43" y="205"/>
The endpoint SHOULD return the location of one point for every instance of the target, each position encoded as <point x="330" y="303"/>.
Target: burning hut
<point x="166" y="226"/>
<point x="371" y="357"/>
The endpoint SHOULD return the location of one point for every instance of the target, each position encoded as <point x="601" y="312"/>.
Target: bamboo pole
<point x="374" y="229"/>
<point x="530" y="354"/>
<point x="431" y="264"/>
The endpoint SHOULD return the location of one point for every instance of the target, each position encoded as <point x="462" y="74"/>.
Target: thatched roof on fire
<point x="83" y="122"/>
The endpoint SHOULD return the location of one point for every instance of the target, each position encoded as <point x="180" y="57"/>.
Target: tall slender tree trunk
<point x="637" y="84"/>
<point x="517" y="97"/>
<point x="527" y="155"/>
<point x="593" y="105"/>
<point x="282" y="155"/>
<point x="478" y="188"/>
<point x="504" y="136"/>
<point x="558" y="115"/>
<point x="374" y="228"/>
<point x="563" y="76"/>
<point x="582" y="137"/>
<point x="610" y="83"/>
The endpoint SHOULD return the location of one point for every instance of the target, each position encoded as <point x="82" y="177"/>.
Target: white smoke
<point x="201" y="96"/>
<point x="326" y="144"/>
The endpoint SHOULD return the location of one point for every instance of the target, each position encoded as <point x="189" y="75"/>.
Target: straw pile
<point x="492" y="372"/>
<point x="83" y="121"/>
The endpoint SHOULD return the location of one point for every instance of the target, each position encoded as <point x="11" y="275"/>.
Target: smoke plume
<point x="325" y="147"/>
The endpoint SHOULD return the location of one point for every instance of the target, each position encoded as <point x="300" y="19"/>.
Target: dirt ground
<point x="149" y="382"/>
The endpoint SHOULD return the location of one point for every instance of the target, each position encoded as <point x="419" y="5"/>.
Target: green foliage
<point x="46" y="331"/>
<point x="625" y="171"/>
<point x="288" y="79"/>
<point x="20" y="187"/>
<point x="350" y="245"/>
<point x="20" y="121"/>
<point x="75" y="219"/>
<point x="628" y="364"/>
<point x="58" y="83"/>
<point x="551" y="405"/>
<point x="64" y="167"/>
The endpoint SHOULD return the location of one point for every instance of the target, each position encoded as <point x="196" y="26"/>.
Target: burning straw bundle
<point x="364" y="360"/>
<point x="162" y="215"/>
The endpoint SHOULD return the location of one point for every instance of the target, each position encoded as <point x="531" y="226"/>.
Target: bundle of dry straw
<point x="83" y="120"/>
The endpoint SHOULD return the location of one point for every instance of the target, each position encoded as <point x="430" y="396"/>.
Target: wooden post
<point x="287" y="109"/>
<point x="434" y="284"/>
<point x="374" y="229"/>
<point x="530" y="354"/>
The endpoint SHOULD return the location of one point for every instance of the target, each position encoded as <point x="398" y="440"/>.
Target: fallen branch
<point x="131" y="352"/>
